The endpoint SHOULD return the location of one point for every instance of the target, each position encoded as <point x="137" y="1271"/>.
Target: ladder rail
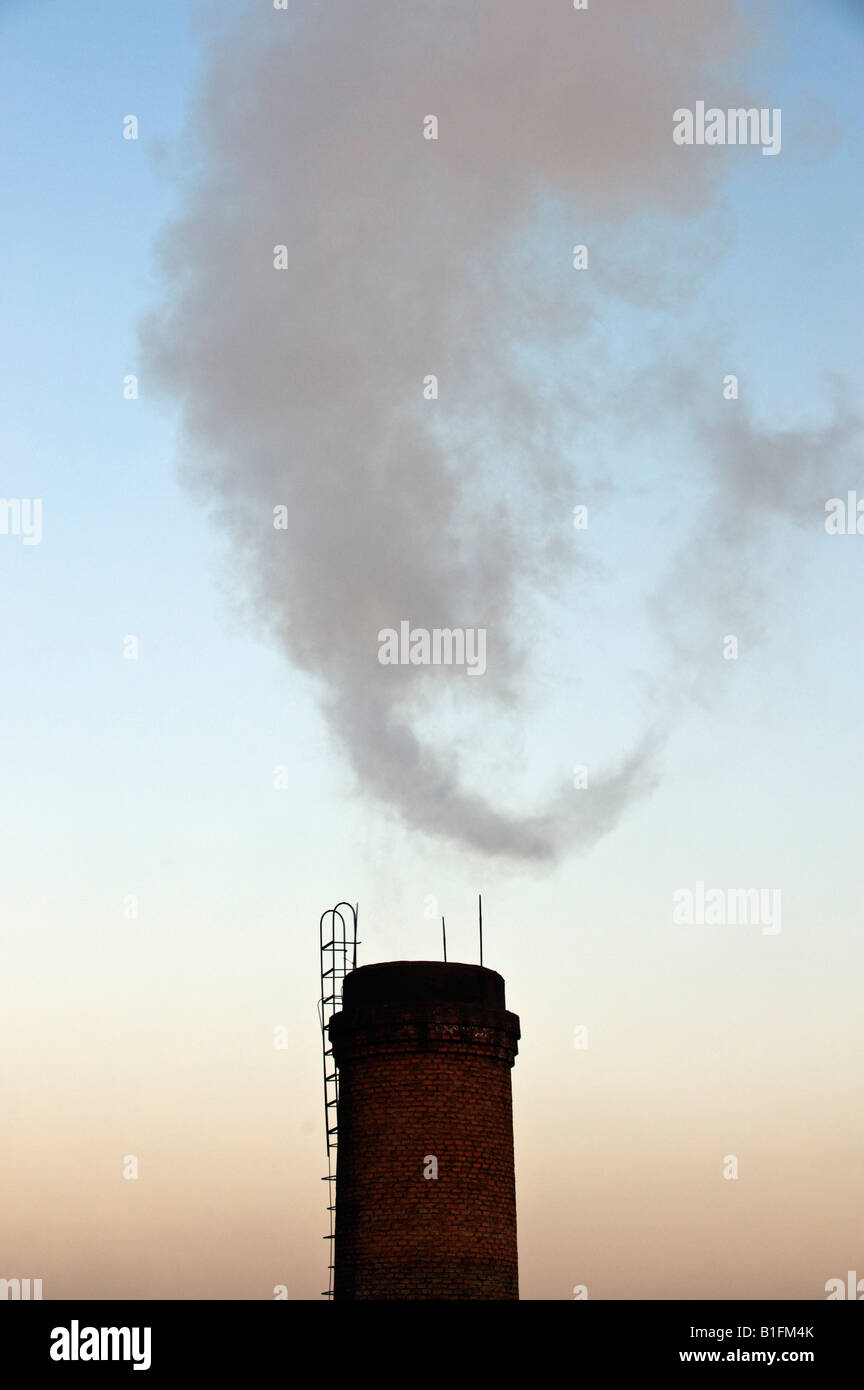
<point x="341" y="943"/>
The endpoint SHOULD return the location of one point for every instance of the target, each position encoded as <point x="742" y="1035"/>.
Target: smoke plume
<point x="407" y="257"/>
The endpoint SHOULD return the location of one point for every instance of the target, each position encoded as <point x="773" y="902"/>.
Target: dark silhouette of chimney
<point x="425" y="1185"/>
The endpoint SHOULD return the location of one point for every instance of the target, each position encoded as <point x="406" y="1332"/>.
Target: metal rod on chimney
<point x="480" y="910"/>
<point x="444" y="936"/>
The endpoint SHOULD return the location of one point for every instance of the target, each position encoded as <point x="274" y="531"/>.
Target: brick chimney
<point x="425" y="1186"/>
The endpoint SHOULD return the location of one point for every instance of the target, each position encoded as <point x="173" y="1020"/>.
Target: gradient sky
<point x="154" y="777"/>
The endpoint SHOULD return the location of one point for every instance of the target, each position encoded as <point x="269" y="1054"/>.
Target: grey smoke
<point x="408" y="257"/>
<point x="761" y="483"/>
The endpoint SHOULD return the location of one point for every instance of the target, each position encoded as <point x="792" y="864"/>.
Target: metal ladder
<point x="338" y="943"/>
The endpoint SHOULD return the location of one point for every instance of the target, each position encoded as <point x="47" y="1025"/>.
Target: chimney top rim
<point x="395" y="981"/>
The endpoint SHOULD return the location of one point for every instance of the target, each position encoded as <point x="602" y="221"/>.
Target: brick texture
<point x="423" y="1077"/>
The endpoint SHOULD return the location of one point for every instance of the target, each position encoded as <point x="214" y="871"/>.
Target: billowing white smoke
<point x="407" y="257"/>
